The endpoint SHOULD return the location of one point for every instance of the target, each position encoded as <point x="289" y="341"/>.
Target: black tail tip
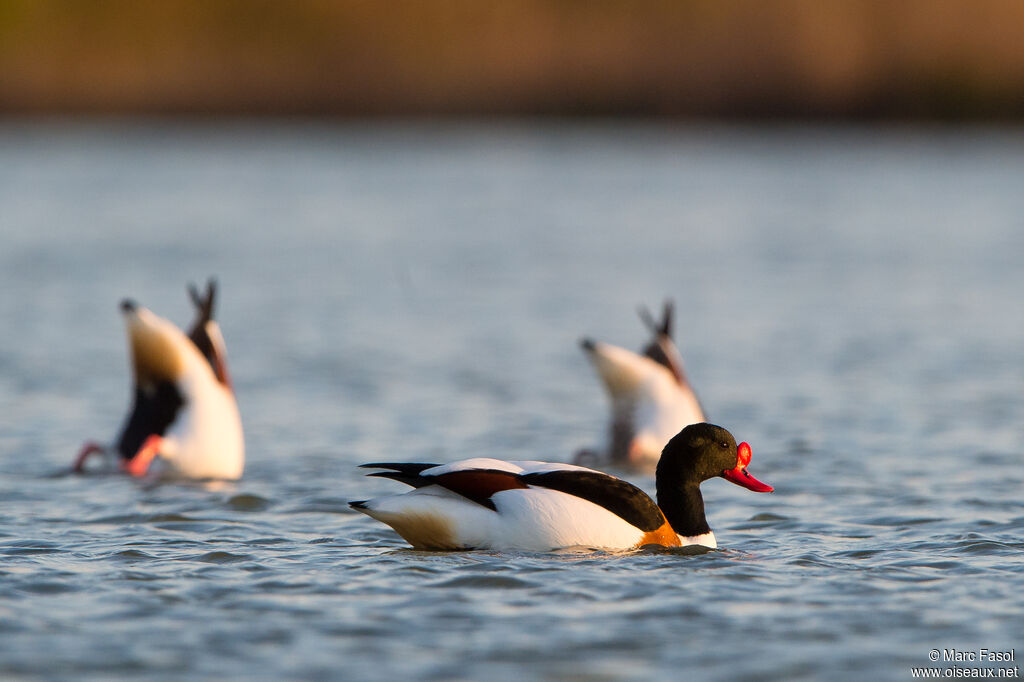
<point x="358" y="504"/>
<point x="588" y="344"/>
<point x="128" y="305"/>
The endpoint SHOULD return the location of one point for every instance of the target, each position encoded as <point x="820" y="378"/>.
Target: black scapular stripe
<point x="655" y="351"/>
<point x="152" y="412"/>
<point x="620" y="498"/>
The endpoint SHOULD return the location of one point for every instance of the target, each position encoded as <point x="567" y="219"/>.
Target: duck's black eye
<point x="724" y="445"/>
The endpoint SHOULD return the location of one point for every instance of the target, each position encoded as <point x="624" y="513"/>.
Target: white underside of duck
<point x="206" y="440"/>
<point x="704" y="540"/>
<point x="531" y="519"/>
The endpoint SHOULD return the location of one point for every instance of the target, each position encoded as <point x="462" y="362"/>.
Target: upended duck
<point x="184" y="410"/>
<point x="537" y="506"/>
<point x="651" y="397"/>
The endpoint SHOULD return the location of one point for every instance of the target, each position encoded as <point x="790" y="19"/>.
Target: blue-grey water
<point x="850" y="303"/>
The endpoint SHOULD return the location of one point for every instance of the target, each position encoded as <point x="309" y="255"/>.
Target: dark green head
<point x="703" y="451"/>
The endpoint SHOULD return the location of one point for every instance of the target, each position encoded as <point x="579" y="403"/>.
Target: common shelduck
<point x="184" y="408"/>
<point x="536" y="506"/>
<point x="651" y="398"/>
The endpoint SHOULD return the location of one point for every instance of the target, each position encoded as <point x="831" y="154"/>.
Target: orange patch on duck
<point x="663" y="535"/>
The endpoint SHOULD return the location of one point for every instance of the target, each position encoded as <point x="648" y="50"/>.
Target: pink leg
<point x="87" y="449"/>
<point x="139" y="464"/>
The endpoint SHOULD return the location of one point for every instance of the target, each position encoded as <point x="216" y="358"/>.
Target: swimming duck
<point x="537" y="506"/>
<point x="651" y="398"/>
<point x="184" y="409"/>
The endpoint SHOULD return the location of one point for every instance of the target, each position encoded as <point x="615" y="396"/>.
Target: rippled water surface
<point x="850" y="303"/>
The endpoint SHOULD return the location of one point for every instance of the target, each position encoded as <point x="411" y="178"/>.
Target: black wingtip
<point x="413" y="479"/>
<point x="588" y="344"/>
<point x="204" y="303"/>
<point x="403" y="472"/>
<point x="358" y="504"/>
<point x="128" y="305"/>
<point x="664" y="327"/>
<point x="666" y="320"/>
<point x="408" y="467"/>
<point x="647" y="319"/>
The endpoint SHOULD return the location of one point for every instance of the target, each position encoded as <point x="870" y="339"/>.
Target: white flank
<point x="530" y="519"/>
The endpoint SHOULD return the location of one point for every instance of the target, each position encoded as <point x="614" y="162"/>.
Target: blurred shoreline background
<point x="852" y="60"/>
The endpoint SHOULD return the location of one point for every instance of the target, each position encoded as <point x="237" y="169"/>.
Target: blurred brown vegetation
<point x="738" y="58"/>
